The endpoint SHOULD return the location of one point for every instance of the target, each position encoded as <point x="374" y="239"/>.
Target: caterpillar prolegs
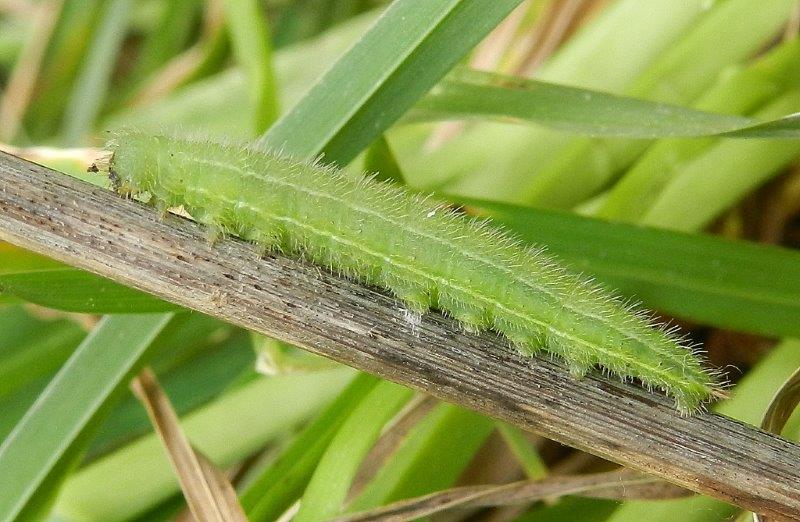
<point x="427" y="255"/>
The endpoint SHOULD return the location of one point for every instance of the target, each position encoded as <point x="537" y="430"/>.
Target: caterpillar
<point x="427" y="255"/>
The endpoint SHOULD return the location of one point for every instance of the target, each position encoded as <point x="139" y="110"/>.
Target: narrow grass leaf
<point x="218" y="366"/>
<point x="713" y="182"/>
<point x="282" y="482"/>
<point x="680" y="76"/>
<point x="38" y="279"/>
<point x="731" y="284"/>
<point x="523" y="449"/>
<point x="327" y="490"/>
<point x="381" y="162"/>
<point x="42" y="351"/>
<point x="253" y="50"/>
<point x="409" y="48"/>
<point x="782" y="405"/>
<point x="432" y="457"/>
<point x="497" y="161"/>
<point x="92" y="84"/>
<point x="69" y="403"/>
<point x="742" y="92"/>
<point x="468" y="93"/>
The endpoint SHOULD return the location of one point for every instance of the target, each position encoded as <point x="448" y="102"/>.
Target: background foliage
<point x="644" y="142"/>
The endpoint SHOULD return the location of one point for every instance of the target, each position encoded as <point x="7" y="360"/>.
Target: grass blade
<point x="42" y="348"/>
<point x="680" y="76"/>
<point x="743" y="92"/>
<point x="278" y="486"/>
<point x="403" y="55"/>
<point x="184" y="359"/>
<point x="89" y="92"/>
<point x="252" y="48"/>
<point x="433" y="455"/>
<point x="495" y="161"/>
<point x="328" y="488"/>
<point x="43" y="281"/>
<point x="524" y="450"/>
<point x="581" y="111"/>
<point x="69" y="403"/>
<point x="716" y="180"/>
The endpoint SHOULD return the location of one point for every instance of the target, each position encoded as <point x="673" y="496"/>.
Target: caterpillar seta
<point x="428" y="256"/>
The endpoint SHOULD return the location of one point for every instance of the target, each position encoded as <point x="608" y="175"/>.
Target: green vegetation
<point x="648" y="144"/>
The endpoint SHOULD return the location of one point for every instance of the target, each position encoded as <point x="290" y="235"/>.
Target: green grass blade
<point x="403" y="55"/>
<point x="731" y="284"/>
<point x="69" y="403"/>
<point x="680" y="76"/>
<point x="283" y="481"/>
<point x="741" y="92"/>
<point x="496" y="161"/>
<point x="718" y="179"/>
<point x="168" y="37"/>
<point x="218" y="105"/>
<point x="92" y="83"/>
<point x="226" y="430"/>
<point x="326" y="492"/>
<point x="432" y="457"/>
<point x="252" y="48"/>
<point x="40" y="280"/>
<point x="524" y="450"/>
<point x="381" y="161"/>
<point x="43" y="349"/>
<point x="217" y="367"/>
<point x="582" y="111"/>
<point x="562" y="172"/>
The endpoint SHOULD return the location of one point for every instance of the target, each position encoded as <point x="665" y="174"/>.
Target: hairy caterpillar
<point x="427" y="255"/>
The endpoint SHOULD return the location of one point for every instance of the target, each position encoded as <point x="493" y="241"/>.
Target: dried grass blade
<point x="620" y="484"/>
<point x="208" y="492"/>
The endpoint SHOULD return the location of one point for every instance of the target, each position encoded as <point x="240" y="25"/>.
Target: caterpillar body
<point x="427" y="255"/>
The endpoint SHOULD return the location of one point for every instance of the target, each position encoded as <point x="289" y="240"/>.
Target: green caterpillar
<point x="424" y="253"/>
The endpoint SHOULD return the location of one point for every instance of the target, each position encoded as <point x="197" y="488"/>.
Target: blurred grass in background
<point x="292" y="427"/>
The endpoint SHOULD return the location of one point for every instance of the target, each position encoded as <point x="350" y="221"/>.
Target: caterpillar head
<point x="130" y="158"/>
